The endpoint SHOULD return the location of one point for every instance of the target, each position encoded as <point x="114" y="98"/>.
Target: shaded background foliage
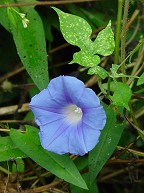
<point x="124" y="169"/>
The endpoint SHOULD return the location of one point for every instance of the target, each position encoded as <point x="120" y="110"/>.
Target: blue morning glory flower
<point x="69" y="115"/>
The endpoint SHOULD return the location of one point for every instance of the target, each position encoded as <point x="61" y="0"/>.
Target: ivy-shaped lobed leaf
<point x="85" y="60"/>
<point x="104" y="43"/>
<point x="77" y="31"/>
<point x="98" y="70"/>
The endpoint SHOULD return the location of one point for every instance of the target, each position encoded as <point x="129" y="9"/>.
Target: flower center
<point x="74" y="113"/>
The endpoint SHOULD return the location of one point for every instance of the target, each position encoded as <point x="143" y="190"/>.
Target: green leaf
<point x="75" y="30"/>
<point x="122" y="94"/>
<point x="3" y="17"/>
<point x="84" y="59"/>
<point x="114" y="70"/>
<point x="104" y="43"/>
<point x="18" y="166"/>
<point x="109" y="138"/>
<point x="8" y="150"/>
<point x="60" y="165"/>
<point x="141" y="80"/>
<point x="92" y="188"/>
<point x="31" y="46"/>
<point x="12" y="17"/>
<point x="81" y="162"/>
<point x="98" y="70"/>
<point x="30" y="41"/>
<point x="76" y="10"/>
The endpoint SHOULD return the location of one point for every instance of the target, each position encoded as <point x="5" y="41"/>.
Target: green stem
<point x="123" y="46"/>
<point x="5" y="171"/>
<point x="108" y="90"/>
<point x="123" y="38"/>
<point x="118" y="31"/>
<point x="101" y="86"/>
<point x="132" y="114"/>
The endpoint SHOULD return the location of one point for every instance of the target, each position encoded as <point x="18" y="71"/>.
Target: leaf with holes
<point x="29" y="41"/>
<point x="31" y="47"/>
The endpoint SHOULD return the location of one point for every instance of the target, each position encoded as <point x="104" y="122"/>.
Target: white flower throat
<point x="73" y="113"/>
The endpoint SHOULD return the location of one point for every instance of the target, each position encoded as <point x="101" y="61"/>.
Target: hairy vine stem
<point x="118" y="32"/>
<point x="123" y="38"/>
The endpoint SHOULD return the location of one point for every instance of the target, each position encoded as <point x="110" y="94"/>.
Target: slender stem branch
<point x="10" y="74"/>
<point x="118" y="31"/>
<point x="101" y="86"/>
<point x="11" y="109"/>
<point x="108" y="90"/>
<point x="123" y="37"/>
<point x="18" y="121"/>
<point x="116" y="173"/>
<point x="43" y="3"/>
<point x="132" y="114"/>
<point x="8" y="130"/>
<point x="4" y="170"/>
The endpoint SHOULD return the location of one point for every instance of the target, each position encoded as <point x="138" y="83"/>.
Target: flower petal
<point x="60" y="137"/>
<point x="88" y="99"/>
<point x="77" y="144"/>
<point x="67" y="86"/>
<point x="91" y="136"/>
<point x="44" y="100"/>
<point x="45" y="109"/>
<point x="43" y="117"/>
<point x="93" y="121"/>
<point x="53" y="109"/>
<point x="95" y="118"/>
<point x="54" y="137"/>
